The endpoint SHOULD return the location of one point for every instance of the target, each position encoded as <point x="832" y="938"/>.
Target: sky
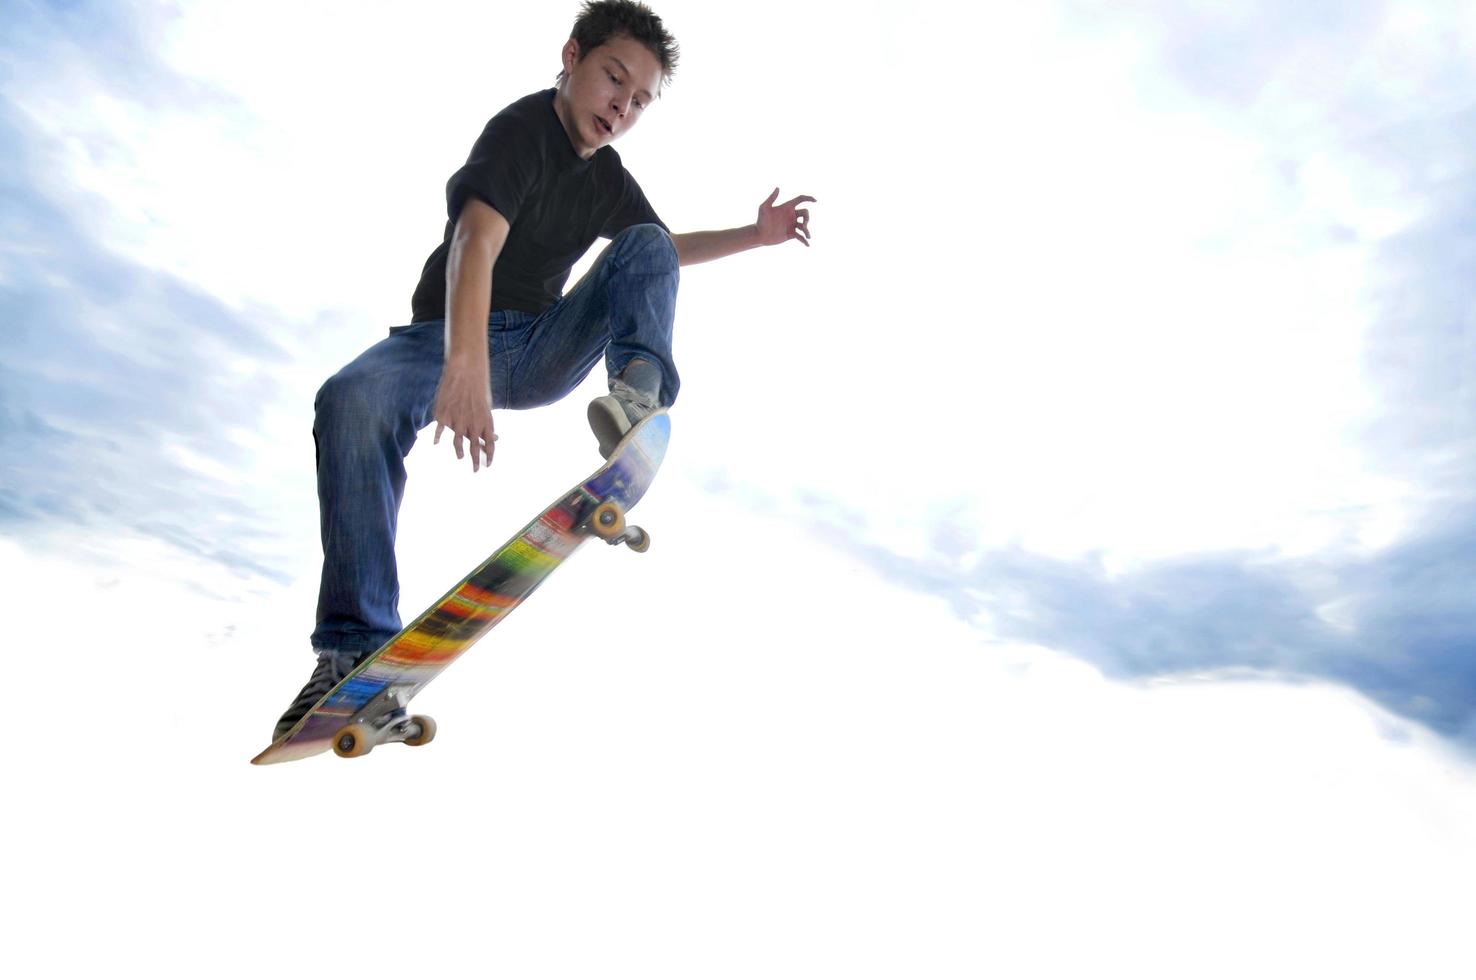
<point x="1065" y="563"/>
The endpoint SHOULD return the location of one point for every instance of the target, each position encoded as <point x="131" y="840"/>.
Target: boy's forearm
<point x="704" y="246"/>
<point x="468" y="303"/>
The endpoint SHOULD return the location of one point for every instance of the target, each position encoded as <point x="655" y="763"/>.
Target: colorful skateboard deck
<point x="411" y="659"/>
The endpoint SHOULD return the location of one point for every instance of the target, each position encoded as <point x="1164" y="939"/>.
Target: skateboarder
<point x="491" y="327"/>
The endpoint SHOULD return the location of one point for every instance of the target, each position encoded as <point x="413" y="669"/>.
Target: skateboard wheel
<point x="427" y="730"/>
<point x="637" y="540"/>
<point x="352" y="741"/>
<point x="608" y="520"/>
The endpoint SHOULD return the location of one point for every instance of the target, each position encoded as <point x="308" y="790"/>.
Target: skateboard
<point x="367" y="708"/>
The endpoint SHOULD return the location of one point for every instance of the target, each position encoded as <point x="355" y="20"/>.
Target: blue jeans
<point x="368" y="414"/>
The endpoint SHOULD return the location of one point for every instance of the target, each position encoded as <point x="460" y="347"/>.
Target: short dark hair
<point x="600" y="20"/>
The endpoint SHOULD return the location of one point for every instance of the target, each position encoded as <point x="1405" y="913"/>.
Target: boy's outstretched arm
<point x="775" y="224"/>
<point x="464" y="398"/>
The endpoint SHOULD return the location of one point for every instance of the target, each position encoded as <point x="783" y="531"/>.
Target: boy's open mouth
<point x="604" y="125"/>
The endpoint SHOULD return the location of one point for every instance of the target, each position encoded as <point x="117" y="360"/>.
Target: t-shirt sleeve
<point x="634" y="209"/>
<point x="500" y="171"/>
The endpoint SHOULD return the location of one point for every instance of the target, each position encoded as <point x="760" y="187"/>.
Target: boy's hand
<point x="786" y="221"/>
<point x="464" y="405"/>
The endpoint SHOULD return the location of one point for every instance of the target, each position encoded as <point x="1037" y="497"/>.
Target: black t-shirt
<point x="556" y="204"/>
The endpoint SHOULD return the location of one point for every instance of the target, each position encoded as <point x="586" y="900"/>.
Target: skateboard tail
<point x="291" y="751"/>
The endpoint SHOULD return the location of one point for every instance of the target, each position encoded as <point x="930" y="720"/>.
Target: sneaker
<point x="612" y="416"/>
<point x="333" y="666"/>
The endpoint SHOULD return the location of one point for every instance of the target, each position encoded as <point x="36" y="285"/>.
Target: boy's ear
<point x="570" y="54"/>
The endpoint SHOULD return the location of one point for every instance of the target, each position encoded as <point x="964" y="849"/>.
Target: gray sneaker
<point x="333" y="666"/>
<point x="612" y="416"/>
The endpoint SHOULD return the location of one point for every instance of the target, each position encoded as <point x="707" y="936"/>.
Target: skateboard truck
<point x="383" y="720"/>
<point x="608" y="523"/>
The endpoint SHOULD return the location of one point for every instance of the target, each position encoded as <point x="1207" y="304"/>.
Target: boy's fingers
<point x="483" y="442"/>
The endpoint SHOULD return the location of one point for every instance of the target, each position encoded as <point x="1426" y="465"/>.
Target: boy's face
<point x="605" y="93"/>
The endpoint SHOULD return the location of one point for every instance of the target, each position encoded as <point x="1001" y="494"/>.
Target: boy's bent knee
<point x="647" y="238"/>
<point x="642" y="234"/>
<point x="350" y="404"/>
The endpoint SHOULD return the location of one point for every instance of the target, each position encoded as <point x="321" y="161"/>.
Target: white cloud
<point x="794" y="768"/>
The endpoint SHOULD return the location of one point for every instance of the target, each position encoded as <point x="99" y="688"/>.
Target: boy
<point x="490" y="325"/>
